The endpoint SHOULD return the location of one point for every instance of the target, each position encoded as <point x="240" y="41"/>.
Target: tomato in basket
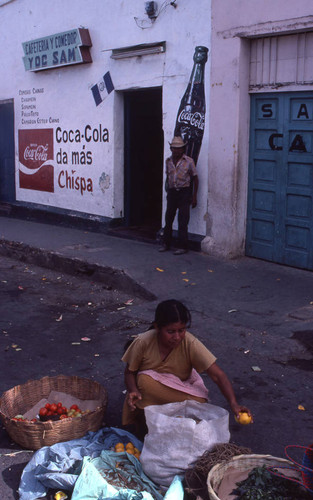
<point x="43" y="411"/>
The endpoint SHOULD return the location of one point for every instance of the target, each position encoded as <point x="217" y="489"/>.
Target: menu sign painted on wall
<point x="61" y="49"/>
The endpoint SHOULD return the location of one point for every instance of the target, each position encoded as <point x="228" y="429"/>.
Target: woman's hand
<point x="133" y="394"/>
<point x="132" y="398"/>
<point x="236" y="408"/>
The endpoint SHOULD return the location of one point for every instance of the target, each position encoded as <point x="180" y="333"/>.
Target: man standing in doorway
<point x="182" y="188"/>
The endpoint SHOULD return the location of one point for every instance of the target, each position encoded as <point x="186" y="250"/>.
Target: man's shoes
<point x="164" y="248"/>
<point x="180" y="251"/>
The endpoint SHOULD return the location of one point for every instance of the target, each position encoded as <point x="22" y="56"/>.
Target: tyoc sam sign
<point x="62" y="49"/>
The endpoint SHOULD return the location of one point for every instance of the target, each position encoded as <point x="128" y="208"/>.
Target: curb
<point x="113" y="278"/>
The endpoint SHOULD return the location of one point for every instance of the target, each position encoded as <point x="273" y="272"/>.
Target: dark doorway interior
<point x="143" y="162"/>
<point x="7" y="161"/>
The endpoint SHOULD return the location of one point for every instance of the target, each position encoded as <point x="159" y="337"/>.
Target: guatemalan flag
<point x="102" y="89"/>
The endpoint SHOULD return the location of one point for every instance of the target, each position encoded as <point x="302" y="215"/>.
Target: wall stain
<point x="104" y="182"/>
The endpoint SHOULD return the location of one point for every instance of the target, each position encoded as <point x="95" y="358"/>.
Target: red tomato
<point x="60" y="411"/>
<point x="53" y="407"/>
<point x="49" y="413"/>
<point x="74" y="407"/>
<point x="47" y="405"/>
<point x="34" y="420"/>
<point x="43" y="411"/>
<point x="59" y="405"/>
<point x="64" y="409"/>
<point x="63" y="416"/>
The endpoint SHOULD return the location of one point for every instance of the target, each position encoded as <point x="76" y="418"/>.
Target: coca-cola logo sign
<point x="36" y="152"/>
<point x="36" y="159"/>
<point x="195" y="119"/>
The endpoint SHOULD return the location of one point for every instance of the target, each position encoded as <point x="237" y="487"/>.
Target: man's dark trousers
<point x="177" y="199"/>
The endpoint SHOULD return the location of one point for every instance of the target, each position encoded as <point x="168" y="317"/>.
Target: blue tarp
<point x="99" y="475"/>
<point x="59" y="466"/>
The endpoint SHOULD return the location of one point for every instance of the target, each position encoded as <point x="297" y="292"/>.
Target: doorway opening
<point x="143" y="163"/>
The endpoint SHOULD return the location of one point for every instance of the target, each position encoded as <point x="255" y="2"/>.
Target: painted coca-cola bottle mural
<point x="191" y="114"/>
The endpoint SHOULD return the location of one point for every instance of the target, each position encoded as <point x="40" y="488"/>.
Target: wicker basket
<point x="242" y="463"/>
<point x="35" y="435"/>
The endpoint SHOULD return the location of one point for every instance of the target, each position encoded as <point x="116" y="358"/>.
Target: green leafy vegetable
<point x="261" y="484"/>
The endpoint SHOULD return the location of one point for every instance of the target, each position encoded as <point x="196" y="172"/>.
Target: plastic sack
<point x="176" y="490"/>
<point x="114" y="475"/>
<point x="178" y="434"/>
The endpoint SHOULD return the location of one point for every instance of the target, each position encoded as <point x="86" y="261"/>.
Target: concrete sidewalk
<point x="261" y="290"/>
<point x="253" y="315"/>
<point x="134" y="265"/>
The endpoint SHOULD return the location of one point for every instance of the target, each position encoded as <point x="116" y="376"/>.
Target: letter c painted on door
<point x="273" y="146"/>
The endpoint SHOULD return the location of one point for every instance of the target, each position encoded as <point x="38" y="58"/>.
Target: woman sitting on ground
<point x="163" y="366"/>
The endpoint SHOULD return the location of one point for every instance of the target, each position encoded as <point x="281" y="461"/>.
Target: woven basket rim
<point x="53" y="377"/>
<point x="242" y="458"/>
<point x="48" y="377"/>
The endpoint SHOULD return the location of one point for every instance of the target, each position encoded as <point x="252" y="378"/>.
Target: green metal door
<point x="280" y="189"/>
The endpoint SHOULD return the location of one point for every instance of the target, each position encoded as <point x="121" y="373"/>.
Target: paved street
<point x="248" y="312"/>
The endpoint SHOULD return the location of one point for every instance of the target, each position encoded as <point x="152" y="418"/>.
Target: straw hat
<point x="177" y="142"/>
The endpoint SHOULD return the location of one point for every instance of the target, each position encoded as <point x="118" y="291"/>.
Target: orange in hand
<point x="244" y="418"/>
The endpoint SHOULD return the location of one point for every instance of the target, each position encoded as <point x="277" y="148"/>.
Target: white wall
<point x="66" y="100"/>
<point x="233" y="23"/>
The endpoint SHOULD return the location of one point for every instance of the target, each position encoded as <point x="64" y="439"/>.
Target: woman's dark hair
<point x="171" y="311"/>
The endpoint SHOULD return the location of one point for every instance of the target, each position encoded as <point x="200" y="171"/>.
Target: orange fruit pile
<point x="129" y="448"/>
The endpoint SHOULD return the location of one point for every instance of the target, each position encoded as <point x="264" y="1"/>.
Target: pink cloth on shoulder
<point x="194" y="385"/>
